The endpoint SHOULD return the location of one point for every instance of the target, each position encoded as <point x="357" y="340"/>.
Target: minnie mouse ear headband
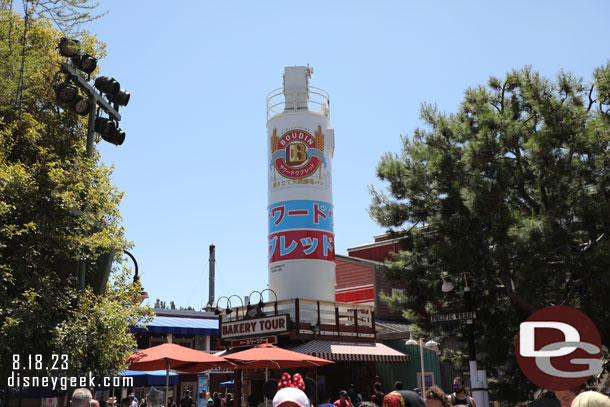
<point x="290" y="390"/>
<point x="296" y="381"/>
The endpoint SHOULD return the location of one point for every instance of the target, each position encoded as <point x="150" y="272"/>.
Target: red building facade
<point x="360" y="278"/>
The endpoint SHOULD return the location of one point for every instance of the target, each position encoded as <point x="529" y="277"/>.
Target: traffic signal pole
<point x="91" y="126"/>
<point x="478" y="378"/>
<point x="95" y="99"/>
<point x="90" y="138"/>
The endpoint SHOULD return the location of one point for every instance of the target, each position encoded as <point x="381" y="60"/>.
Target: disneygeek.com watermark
<point x="559" y="348"/>
<point x="52" y="378"/>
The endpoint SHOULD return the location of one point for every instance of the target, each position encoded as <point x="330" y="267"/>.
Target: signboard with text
<point x="254" y="327"/>
<point x="453" y="317"/>
<point x="238" y="343"/>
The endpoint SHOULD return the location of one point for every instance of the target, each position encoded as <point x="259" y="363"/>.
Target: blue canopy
<point x="227" y="384"/>
<point x="150" y="377"/>
<point x="180" y="326"/>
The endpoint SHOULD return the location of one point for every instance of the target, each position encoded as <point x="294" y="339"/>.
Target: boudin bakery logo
<point x="297" y="154"/>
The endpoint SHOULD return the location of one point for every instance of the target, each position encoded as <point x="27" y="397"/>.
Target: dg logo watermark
<point x="559" y="348"/>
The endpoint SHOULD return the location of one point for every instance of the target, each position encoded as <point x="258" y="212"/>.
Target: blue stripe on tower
<point x="301" y="214"/>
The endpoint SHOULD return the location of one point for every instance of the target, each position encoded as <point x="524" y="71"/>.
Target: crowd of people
<point x="434" y="396"/>
<point x="398" y="397"/>
<point x="213" y="400"/>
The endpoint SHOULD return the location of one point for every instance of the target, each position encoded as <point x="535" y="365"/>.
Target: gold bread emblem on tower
<point x="274" y="142"/>
<point x="319" y="138"/>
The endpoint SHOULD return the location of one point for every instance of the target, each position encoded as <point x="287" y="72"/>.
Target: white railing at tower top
<point x="318" y="101"/>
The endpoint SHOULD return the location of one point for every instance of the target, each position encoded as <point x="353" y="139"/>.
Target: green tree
<point x="514" y="191"/>
<point x="160" y="304"/>
<point x="56" y="208"/>
<point x="172" y="305"/>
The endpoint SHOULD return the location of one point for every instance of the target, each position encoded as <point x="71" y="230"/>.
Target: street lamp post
<point x="249" y="307"/>
<point x="261" y="301"/>
<point x="242" y="304"/>
<point x="431" y="344"/>
<point x="478" y="378"/>
<point x="228" y="311"/>
<point x="142" y="295"/>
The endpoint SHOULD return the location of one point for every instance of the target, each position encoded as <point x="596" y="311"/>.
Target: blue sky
<point x="193" y="165"/>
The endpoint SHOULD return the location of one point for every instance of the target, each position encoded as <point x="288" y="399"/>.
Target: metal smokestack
<point x="212" y="271"/>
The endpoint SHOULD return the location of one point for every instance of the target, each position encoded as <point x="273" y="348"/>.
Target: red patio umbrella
<point x="171" y="356"/>
<point x="270" y="356"/>
<point x="267" y="356"/>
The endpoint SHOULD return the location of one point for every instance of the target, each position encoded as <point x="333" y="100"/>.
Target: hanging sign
<point x="453" y="317"/>
<point x="253" y="327"/>
<point x="239" y="343"/>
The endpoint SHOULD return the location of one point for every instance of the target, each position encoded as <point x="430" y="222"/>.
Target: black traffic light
<point x="66" y="92"/>
<point x="85" y="63"/>
<point x="106" y="93"/>
<point x="112" y="88"/>
<point x="107" y="85"/>
<point x="81" y="105"/>
<point x="81" y="60"/>
<point x="121" y="98"/>
<point x="69" y="48"/>
<point x="109" y="131"/>
<point x="117" y="137"/>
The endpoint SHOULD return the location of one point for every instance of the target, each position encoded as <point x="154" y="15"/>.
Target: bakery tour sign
<point x="253" y="327"/>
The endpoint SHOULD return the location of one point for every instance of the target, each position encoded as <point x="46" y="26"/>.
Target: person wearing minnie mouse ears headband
<point x="291" y="392"/>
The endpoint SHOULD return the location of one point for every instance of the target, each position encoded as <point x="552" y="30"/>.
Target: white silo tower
<point x="300" y="150"/>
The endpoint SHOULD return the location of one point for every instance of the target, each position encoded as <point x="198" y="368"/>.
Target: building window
<point x="429" y="379"/>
